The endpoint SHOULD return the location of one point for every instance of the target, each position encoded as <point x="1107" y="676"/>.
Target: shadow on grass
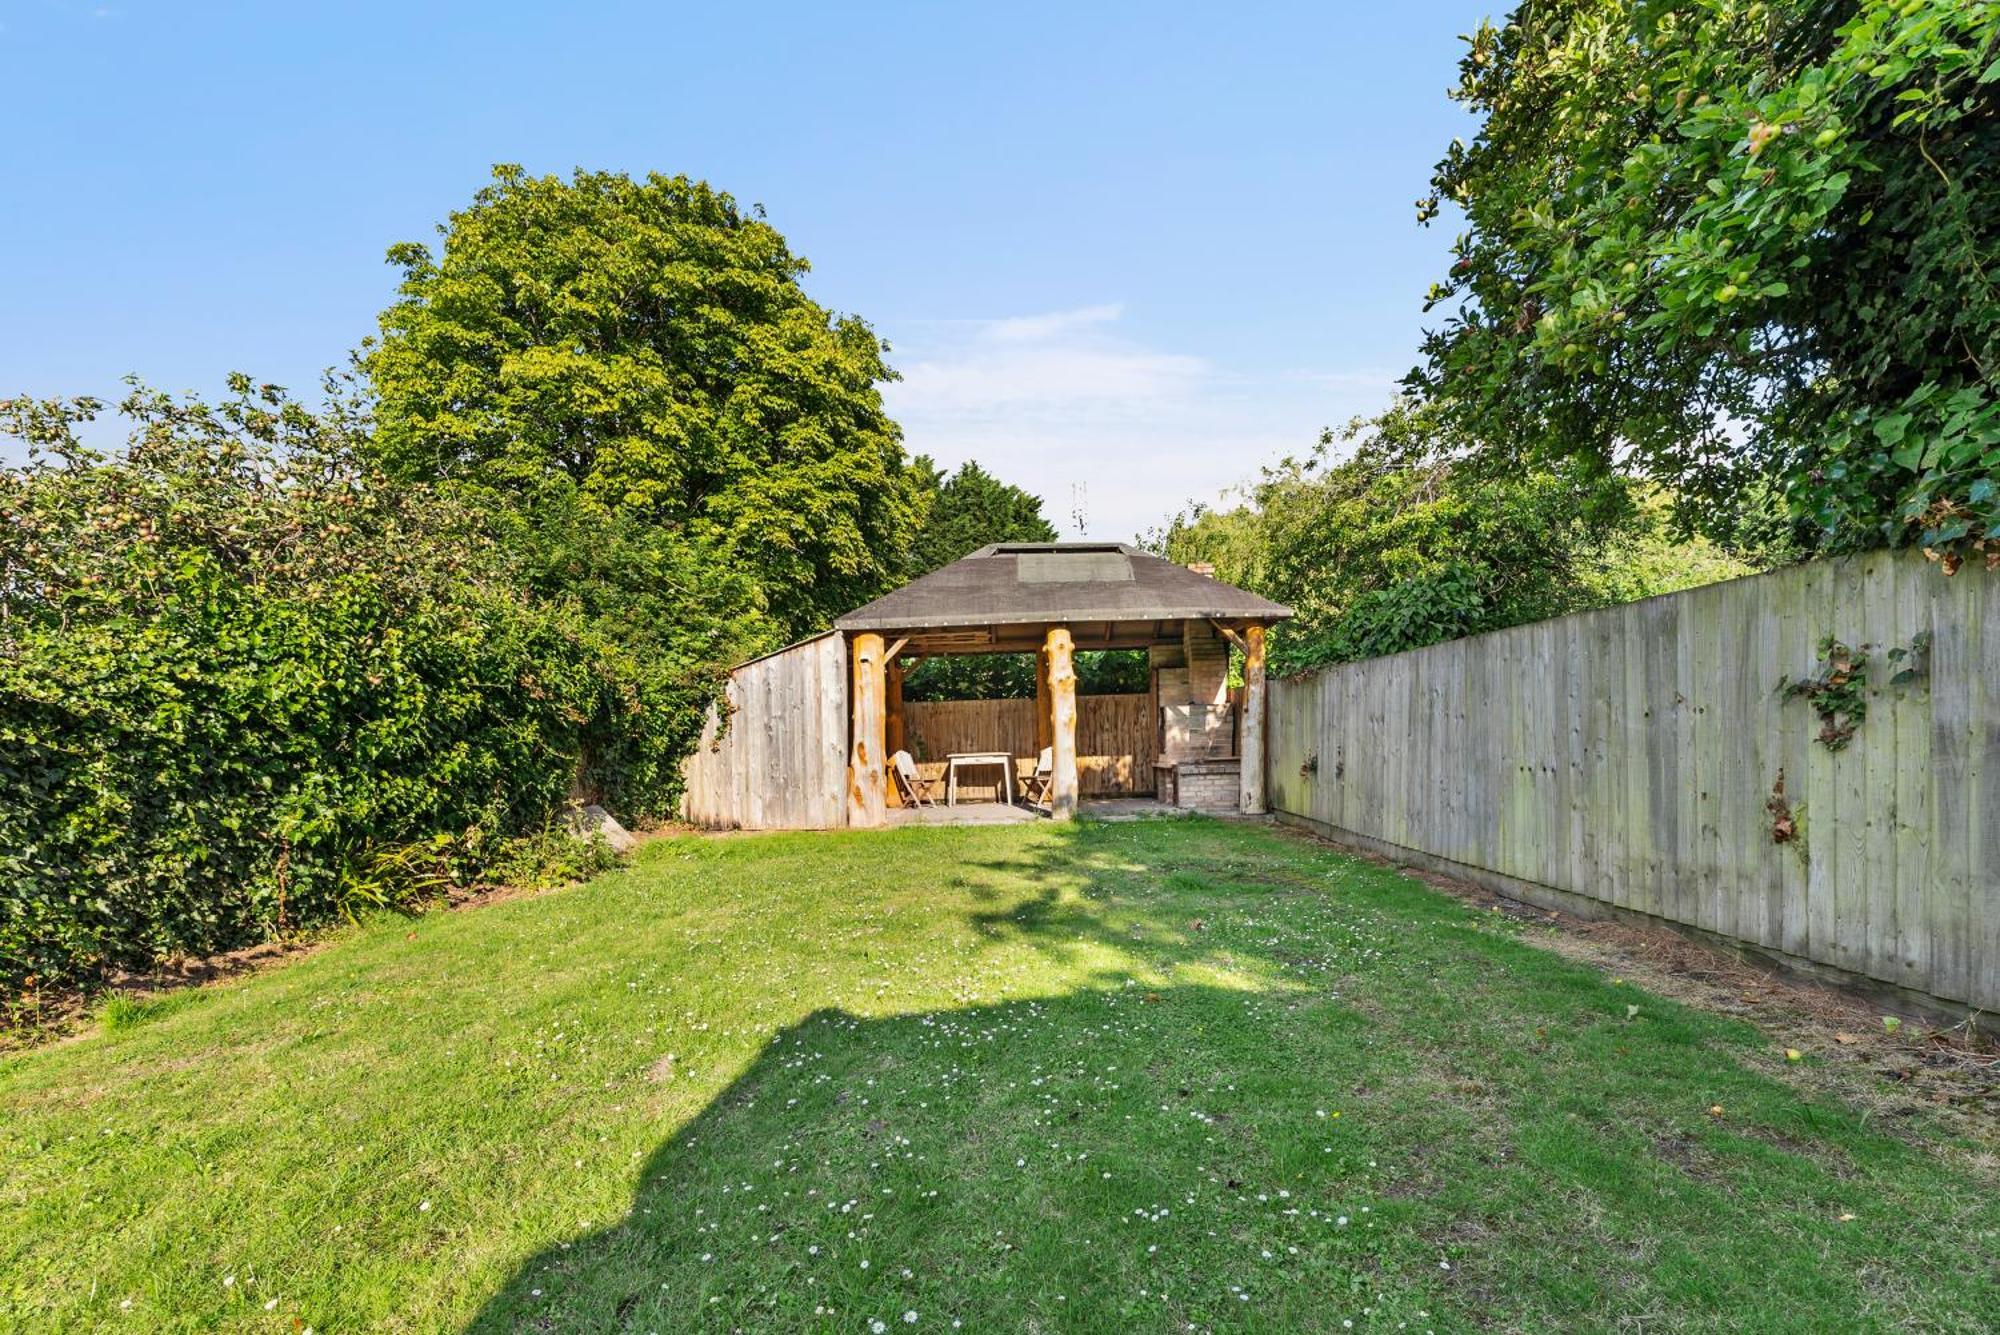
<point x="996" y="1165"/>
<point x="1261" y="1104"/>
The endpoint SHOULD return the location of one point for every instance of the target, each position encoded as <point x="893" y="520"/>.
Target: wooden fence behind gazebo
<point x="1116" y="737"/>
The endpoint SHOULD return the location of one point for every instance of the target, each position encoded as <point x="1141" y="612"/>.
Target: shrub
<point x="247" y="685"/>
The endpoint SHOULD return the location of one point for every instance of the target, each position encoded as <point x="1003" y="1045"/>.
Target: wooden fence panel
<point x="1632" y="755"/>
<point x="778" y="760"/>
<point x="1115" y="740"/>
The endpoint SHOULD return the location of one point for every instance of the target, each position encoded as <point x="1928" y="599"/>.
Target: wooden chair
<point x="1035" y="787"/>
<point x="915" y="787"/>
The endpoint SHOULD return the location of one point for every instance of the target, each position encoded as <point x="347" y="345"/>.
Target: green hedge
<point x="246" y="685"/>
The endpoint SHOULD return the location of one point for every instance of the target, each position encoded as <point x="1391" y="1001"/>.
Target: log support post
<point x="867" y="777"/>
<point x="1251" y="791"/>
<point x="1062" y="720"/>
<point x="896" y="735"/>
<point x="1044" y="717"/>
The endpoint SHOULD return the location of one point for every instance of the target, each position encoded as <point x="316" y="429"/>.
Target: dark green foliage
<point x="1012" y="676"/>
<point x="1734" y="245"/>
<point x="1113" y="672"/>
<point x="1429" y="608"/>
<point x="972" y="677"/>
<point x="246" y="686"/>
<point x="968" y="510"/>
<point x="1838" y="691"/>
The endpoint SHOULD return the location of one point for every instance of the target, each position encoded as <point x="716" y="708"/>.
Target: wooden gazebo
<point x="1052" y="599"/>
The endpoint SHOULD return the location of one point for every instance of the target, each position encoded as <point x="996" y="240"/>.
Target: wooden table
<point x="973" y="759"/>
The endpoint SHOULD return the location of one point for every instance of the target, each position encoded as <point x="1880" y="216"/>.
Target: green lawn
<point x="1154" y="1076"/>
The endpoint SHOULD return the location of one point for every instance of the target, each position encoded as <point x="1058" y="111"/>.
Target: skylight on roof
<point x="1073" y="565"/>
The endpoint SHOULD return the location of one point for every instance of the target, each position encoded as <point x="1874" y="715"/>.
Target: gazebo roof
<point x="1050" y="583"/>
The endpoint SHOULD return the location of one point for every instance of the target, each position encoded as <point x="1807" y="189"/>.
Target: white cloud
<point x="1069" y="406"/>
<point x="1028" y="328"/>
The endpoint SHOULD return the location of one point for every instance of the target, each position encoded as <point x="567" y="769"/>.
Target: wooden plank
<point x="1441" y="794"/>
<point x="1568" y="645"/>
<point x="832" y="740"/>
<point x="1601" y="678"/>
<point x="1955" y="670"/>
<point x="1635" y="835"/>
<point x="1685" y="880"/>
<point x="1913" y="594"/>
<point x="1856" y="809"/>
<point x="1578" y="725"/>
<point x="1752" y="714"/>
<point x="1874" y="842"/>
<point x="1822" y="791"/>
<point x="1797" y="650"/>
<point x="1707" y="697"/>
<point x="1982" y="616"/>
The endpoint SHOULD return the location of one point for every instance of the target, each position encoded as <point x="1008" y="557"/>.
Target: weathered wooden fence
<point x="1644" y="756"/>
<point x="1115" y="739"/>
<point x="781" y="761"/>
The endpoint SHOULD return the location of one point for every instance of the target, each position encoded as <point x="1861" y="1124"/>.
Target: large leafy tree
<point x="1731" y="244"/>
<point x="642" y="353"/>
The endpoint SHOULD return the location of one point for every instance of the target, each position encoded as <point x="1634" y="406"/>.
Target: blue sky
<point x="1123" y="252"/>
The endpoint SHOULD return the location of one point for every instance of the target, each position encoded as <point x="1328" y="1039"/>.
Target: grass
<point x="1150" y="1076"/>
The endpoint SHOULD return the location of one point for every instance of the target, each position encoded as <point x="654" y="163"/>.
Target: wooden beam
<point x="1062" y="693"/>
<point x="867" y="777"/>
<point x="1234" y="638"/>
<point x="1029" y="639"/>
<point x="1250" y="791"/>
<point x="895" y="735"/>
<point x="895" y="651"/>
